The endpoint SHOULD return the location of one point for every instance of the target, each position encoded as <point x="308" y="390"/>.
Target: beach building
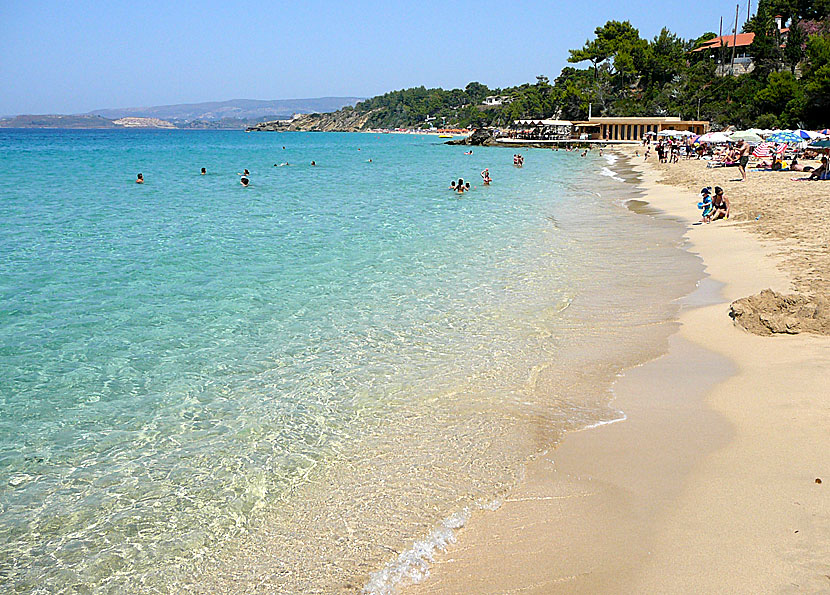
<point x="634" y="128"/>
<point x="493" y="100"/>
<point x="539" y="130"/>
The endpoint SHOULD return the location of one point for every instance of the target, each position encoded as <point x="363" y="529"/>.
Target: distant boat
<point x="446" y="135"/>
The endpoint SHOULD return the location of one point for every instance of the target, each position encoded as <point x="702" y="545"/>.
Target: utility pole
<point x="748" y="9"/>
<point x="734" y="42"/>
<point x="720" y="36"/>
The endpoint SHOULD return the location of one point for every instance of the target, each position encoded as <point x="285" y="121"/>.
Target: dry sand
<point x="794" y="213"/>
<point x="711" y="484"/>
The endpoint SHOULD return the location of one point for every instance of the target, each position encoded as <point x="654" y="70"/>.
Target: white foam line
<point x="607" y="172"/>
<point x="413" y="564"/>
<point x="605" y="423"/>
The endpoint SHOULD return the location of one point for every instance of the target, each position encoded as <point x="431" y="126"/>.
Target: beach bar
<point x="633" y="129"/>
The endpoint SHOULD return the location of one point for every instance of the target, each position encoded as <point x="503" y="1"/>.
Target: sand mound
<point x="769" y="313"/>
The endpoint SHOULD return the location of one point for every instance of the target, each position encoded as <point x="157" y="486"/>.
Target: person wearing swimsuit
<point x="720" y="205"/>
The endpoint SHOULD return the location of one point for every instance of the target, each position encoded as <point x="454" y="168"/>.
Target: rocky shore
<point x="345" y="120"/>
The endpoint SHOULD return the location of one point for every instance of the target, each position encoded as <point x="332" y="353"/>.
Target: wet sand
<point x="710" y="484"/>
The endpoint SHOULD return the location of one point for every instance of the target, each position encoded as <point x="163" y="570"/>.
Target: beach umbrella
<point x="807" y="134"/>
<point x="825" y="132"/>
<point x="714" y="137"/>
<point x="763" y="151"/>
<point x="785" y="136"/>
<point x="746" y="135"/>
<point x="820" y="144"/>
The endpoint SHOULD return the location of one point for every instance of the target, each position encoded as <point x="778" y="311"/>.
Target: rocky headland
<point x="345" y="120"/>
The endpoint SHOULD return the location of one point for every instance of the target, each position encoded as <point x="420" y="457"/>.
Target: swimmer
<point x="470" y="152"/>
<point x="452" y="185"/>
<point x="283" y="147"/>
<point x="244" y="181"/>
<point x="467" y="186"/>
<point x="459" y="187"/>
<point x="139" y="179"/>
<point x="245" y="172"/>
<point x="204" y="171"/>
<point x="313" y="163"/>
<point x="370" y="161"/>
<point x="486" y="176"/>
<point x="283" y="164"/>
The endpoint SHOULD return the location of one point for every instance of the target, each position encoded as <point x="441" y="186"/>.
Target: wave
<point x="611" y="174"/>
<point x="413" y="564"/>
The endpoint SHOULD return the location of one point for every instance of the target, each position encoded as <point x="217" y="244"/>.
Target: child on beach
<point x="705" y="204"/>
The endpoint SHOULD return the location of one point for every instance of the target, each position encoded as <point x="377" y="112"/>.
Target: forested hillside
<point x="621" y="74"/>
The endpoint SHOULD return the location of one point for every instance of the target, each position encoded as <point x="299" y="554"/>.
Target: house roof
<point x="740" y="40"/>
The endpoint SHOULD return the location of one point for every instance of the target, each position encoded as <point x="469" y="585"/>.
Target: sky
<point x="74" y="57"/>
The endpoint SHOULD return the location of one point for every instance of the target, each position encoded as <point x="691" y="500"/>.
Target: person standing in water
<point x="486" y="176"/>
<point x="139" y="179"/>
<point x="204" y="171"/>
<point x="244" y="181"/>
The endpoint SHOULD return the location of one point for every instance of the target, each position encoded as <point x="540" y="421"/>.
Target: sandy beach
<point x="717" y="480"/>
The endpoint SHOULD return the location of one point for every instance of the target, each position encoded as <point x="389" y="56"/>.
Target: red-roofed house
<point x="720" y="50"/>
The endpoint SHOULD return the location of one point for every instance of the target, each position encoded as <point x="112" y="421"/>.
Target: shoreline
<point x="717" y="459"/>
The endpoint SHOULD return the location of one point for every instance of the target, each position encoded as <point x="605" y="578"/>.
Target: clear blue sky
<point x="75" y="56"/>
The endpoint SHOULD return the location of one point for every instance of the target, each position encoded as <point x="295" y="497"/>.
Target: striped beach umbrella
<point x="763" y="151"/>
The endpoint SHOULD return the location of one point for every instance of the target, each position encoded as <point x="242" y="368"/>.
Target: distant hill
<point x="56" y="121"/>
<point x="241" y="109"/>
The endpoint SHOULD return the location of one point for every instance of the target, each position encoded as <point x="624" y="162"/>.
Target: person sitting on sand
<point x="244" y="181"/>
<point x="486" y="176"/>
<point x="720" y="205"/>
<point x="820" y="173"/>
<point x="139" y="179"/>
<point x="204" y="171"/>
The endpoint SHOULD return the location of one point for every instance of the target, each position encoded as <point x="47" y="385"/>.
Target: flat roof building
<point x="634" y="128"/>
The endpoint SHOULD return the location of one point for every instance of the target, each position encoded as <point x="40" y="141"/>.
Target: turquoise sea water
<point x="187" y="363"/>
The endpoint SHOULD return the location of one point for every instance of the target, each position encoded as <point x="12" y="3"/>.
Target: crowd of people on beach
<point x="775" y="157"/>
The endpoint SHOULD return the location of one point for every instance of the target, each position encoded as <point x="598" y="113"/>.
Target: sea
<point x="305" y="385"/>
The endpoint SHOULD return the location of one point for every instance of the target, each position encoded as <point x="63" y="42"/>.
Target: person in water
<point x="245" y="173"/>
<point x="139" y="179"/>
<point x="244" y="181"/>
<point x="470" y="152"/>
<point x="204" y="171"/>
<point x="486" y="176"/>
<point x="313" y="163"/>
<point x="459" y="187"/>
<point x="452" y="185"/>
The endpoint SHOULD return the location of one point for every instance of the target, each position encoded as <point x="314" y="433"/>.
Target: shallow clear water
<point x="283" y="380"/>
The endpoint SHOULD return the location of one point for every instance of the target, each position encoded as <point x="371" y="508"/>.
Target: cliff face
<point x="143" y="123"/>
<point x="340" y="121"/>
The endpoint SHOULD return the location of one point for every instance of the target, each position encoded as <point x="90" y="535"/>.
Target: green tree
<point x="794" y="50"/>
